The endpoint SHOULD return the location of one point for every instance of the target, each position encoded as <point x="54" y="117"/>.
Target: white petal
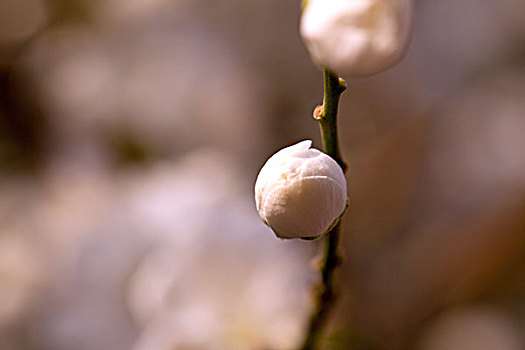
<point x="300" y="192"/>
<point x="357" y="38"/>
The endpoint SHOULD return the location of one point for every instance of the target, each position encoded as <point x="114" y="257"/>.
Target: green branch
<point x="324" y="293"/>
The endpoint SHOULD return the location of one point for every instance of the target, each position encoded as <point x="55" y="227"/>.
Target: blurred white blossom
<point x="356" y="38"/>
<point x="212" y="277"/>
<point x="141" y="87"/>
<point x="170" y="256"/>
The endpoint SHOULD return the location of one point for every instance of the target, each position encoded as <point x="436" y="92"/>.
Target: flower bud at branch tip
<point x="300" y="192"/>
<point x="357" y="38"/>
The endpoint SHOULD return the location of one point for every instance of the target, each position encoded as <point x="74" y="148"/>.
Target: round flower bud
<point x="357" y="38"/>
<point x="300" y="192"/>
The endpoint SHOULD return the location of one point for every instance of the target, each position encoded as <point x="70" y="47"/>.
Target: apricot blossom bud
<point x="357" y="38"/>
<point x="300" y="192"/>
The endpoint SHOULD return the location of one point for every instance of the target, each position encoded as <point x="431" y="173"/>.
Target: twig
<point x="324" y="293"/>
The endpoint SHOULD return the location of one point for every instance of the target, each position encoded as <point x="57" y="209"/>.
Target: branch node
<point x="318" y="112"/>
<point x="342" y="85"/>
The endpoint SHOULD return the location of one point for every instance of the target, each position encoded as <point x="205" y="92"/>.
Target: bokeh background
<point x="131" y="133"/>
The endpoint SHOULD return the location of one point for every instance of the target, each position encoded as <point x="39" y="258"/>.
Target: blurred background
<point x="131" y="133"/>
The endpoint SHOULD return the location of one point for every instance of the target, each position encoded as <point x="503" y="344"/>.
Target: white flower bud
<point x="356" y="38"/>
<point x="300" y="192"/>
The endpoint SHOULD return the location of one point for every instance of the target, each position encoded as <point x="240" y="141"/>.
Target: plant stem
<point x="327" y="115"/>
<point x="324" y="293"/>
